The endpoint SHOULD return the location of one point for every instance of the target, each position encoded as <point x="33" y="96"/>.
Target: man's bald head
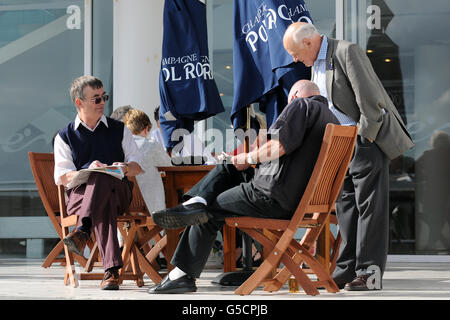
<point x="303" y="89"/>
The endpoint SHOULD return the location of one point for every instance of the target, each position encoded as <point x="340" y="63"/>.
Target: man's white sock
<point x="195" y="200"/>
<point x="176" y="273"/>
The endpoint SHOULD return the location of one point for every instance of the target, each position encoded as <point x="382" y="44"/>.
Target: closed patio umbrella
<point x="263" y="70"/>
<point x="187" y="88"/>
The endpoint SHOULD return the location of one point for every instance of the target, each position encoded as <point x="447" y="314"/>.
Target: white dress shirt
<point x="63" y="153"/>
<point x="319" y="78"/>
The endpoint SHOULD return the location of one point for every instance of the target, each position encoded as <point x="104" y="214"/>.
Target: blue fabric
<point x="263" y="70"/>
<point x="103" y="144"/>
<point x="186" y="84"/>
<point x="168" y="128"/>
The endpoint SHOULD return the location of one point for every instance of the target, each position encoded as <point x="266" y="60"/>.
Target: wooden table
<point x="178" y="179"/>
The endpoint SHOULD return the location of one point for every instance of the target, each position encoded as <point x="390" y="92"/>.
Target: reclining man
<point x="93" y="140"/>
<point x="271" y="190"/>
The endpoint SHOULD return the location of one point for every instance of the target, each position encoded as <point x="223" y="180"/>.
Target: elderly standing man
<point x="93" y="140"/>
<point x="356" y="96"/>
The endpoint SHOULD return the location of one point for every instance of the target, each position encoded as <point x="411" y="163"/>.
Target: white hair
<point x="305" y="31"/>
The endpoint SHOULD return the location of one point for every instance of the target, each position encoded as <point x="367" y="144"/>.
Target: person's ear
<point x="78" y="102"/>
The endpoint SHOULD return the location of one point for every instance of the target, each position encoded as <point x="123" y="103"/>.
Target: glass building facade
<point x="44" y="44"/>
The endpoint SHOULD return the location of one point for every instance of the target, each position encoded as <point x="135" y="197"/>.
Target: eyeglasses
<point x="97" y="100"/>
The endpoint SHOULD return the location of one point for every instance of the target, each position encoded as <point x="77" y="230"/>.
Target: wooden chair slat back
<point x="329" y="171"/>
<point x="42" y="167"/>
<point x="338" y="149"/>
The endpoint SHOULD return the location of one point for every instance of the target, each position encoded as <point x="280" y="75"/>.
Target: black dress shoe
<point x="360" y="284"/>
<point x="180" y="285"/>
<point x="181" y="216"/>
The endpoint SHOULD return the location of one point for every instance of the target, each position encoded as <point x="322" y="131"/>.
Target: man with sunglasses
<point x="93" y="140"/>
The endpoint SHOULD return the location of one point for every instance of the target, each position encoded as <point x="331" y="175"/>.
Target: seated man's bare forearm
<point x="269" y="151"/>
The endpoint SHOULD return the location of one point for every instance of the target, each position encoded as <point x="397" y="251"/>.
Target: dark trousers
<point x="363" y="213"/>
<point x="228" y="192"/>
<point x="101" y="200"/>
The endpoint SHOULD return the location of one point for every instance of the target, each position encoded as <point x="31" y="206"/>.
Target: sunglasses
<point x="97" y="100"/>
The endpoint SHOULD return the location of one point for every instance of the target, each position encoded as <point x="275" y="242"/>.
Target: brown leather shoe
<point x="110" y="280"/>
<point x="76" y="241"/>
<point x="360" y="284"/>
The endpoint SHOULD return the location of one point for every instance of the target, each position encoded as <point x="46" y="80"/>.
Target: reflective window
<point x="409" y="47"/>
<point x="102" y="47"/>
<point x="41" y="52"/>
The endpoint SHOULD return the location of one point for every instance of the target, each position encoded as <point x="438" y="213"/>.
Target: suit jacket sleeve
<point x="368" y="93"/>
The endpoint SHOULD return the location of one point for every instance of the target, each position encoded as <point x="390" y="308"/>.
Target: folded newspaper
<point x="82" y="175"/>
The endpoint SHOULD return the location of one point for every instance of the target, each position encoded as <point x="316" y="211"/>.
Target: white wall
<point x="138" y="26"/>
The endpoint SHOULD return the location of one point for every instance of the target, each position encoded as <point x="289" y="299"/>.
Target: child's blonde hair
<point x="136" y="120"/>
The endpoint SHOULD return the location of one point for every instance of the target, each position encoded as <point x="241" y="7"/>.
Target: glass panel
<point x="411" y="59"/>
<point x="102" y="47"/>
<point x="221" y="25"/>
<point x="41" y="51"/>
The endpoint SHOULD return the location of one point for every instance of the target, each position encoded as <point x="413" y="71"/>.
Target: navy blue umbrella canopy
<point x="187" y="88"/>
<point x="263" y="70"/>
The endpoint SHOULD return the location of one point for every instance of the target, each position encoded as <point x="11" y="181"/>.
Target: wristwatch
<point x="250" y="159"/>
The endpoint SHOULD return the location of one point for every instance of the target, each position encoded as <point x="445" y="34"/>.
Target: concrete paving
<point x="25" y="279"/>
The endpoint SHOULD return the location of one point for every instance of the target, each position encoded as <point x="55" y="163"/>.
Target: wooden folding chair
<point x="318" y="200"/>
<point x="128" y="224"/>
<point x="42" y="166"/>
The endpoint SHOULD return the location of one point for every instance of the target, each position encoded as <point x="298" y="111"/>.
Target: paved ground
<point x="25" y="279"/>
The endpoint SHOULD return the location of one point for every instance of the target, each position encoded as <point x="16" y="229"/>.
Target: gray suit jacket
<point x="354" y="89"/>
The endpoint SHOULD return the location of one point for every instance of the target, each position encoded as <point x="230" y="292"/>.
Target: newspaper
<point x="82" y="175"/>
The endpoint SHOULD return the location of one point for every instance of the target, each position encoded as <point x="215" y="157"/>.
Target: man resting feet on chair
<point x="272" y="190"/>
<point x="93" y="140"/>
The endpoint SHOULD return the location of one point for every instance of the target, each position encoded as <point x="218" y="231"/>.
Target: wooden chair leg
<point x="147" y="268"/>
<point x="135" y="266"/>
<point x="52" y="256"/>
<point x="128" y="236"/>
<point x="93" y="257"/>
<point x="157" y="248"/>
<point x="300" y="276"/>
<point x="70" y="269"/>
<point x="229" y="248"/>
<point x="335" y="252"/>
<point x="70" y="265"/>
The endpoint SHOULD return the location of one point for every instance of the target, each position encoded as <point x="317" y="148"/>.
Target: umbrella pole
<point x="246" y="240"/>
